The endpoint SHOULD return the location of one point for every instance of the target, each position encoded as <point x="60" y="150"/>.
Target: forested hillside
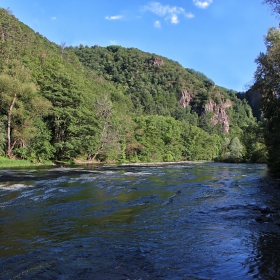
<point x="114" y="104"/>
<point x="160" y="86"/>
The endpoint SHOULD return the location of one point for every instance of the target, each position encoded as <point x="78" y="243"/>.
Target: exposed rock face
<point x="156" y="61"/>
<point x="186" y="98"/>
<point x="220" y="114"/>
<point x="219" y="109"/>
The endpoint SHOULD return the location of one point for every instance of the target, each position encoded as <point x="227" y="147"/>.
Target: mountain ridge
<point x="110" y="103"/>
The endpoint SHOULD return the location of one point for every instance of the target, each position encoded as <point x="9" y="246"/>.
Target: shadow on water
<point x="183" y="221"/>
<point x="266" y="260"/>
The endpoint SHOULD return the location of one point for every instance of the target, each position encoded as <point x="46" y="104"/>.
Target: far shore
<point x="21" y="163"/>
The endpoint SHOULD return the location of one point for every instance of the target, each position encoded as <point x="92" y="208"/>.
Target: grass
<point x="6" y="162"/>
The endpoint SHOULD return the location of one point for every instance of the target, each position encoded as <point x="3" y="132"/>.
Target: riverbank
<point x="6" y="162"/>
<point x="154" y="163"/>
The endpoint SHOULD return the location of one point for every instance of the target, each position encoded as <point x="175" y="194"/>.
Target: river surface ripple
<point x="173" y="221"/>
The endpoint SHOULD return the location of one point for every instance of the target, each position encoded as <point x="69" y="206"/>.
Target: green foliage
<point x="155" y="84"/>
<point x="160" y="138"/>
<point x="254" y="144"/>
<point x="5" y="162"/>
<point x="232" y="150"/>
<point x="274" y="5"/>
<point x="107" y="104"/>
<point x="107" y="141"/>
<point x="235" y="148"/>
<point x="268" y="83"/>
<point x="3" y="138"/>
<point x="200" y="145"/>
<point x="40" y="148"/>
<point x="19" y="106"/>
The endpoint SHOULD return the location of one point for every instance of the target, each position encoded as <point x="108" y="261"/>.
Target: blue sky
<point x="220" y="38"/>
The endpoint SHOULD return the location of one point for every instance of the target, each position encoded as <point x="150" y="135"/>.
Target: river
<point x="173" y="221"/>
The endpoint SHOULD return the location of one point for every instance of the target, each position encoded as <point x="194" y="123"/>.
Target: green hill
<point x="160" y="86"/>
<point x="112" y="104"/>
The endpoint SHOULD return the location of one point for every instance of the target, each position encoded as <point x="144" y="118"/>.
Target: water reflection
<point x="184" y="221"/>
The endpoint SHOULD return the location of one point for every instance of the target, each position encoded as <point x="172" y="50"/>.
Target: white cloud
<point x="158" y="9"/>
<point x="114" y="17"/>
<point x="170" y="13"/>
<point x="157" y="24"/>
<point x="174" y="19"/>
<point x="189" y="15"/>
<point x="53" y="18"/>
<point x="202" y="4"/>
<point x="113" y="42"/>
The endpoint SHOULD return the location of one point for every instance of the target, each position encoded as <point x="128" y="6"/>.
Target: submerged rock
<point x="267" y="210"/>
<point x="268" y="215"/>
<point x="263" y="219"/>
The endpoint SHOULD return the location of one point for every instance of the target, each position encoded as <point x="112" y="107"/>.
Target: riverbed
<point x="171" y="221"/>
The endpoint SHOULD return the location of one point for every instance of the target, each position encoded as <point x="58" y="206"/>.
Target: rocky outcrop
<point x="218" y="108"/>
<point x="186" y="98"/>
<point x="156" y="61"/>
<point x="219" y="112"/>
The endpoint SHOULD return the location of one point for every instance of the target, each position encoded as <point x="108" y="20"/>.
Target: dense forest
<point x="116" y="104"/>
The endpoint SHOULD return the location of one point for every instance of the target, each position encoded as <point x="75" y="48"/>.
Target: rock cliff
<point x="219" y="113"/>
<point x="218" y="108"/>
<point x="156" y="61"/>
<point x="186" y="98"/>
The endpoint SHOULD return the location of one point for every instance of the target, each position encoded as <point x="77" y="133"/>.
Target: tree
<point x="235" y="148"/>
<point x="9" y="11"/>
<point x="21" y="106"/>
<point x="107" y="136"/>
<point x="64" y="91"/>
<point x="267" y="80"/>
<point x="12" y="90"/>
<point x="40" y="148"/>
<point x="253" y="140"/>
<point x="62" y="47"/>
<point x="200" y="145"/>
<point x="274" y="5"/>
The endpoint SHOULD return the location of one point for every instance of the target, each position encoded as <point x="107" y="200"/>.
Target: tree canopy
<point x="267" y="78"/>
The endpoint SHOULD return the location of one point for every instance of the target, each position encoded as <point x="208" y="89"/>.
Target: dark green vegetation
<point x="268" y="83"/>
<point x="114" y="104"/>
<point x="264" y="94"/>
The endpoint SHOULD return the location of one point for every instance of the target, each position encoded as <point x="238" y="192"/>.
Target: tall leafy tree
<point x="65" y="94"/>
<point x="20" y="105"/>
<point x="107" y="140"/>
<point x="235" y="148"/>
<point x="267" y="78"/>
<point x="254" y="144"/>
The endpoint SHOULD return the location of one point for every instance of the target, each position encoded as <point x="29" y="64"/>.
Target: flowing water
<point x="173" y="221"/>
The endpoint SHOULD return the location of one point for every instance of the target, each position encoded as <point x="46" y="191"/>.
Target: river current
<point x="173" y="221"/>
